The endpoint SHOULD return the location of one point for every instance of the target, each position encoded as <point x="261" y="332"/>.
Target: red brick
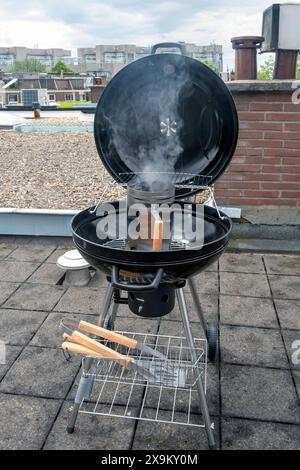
<point x="244" y="185"/>
<point x="254" y="152"/>
<point x="288" y="126"/>
<point x="292" y="177"/>
<point x="283" y="116"/>
<point x="252" y="116"/>
<point x="279" y="185"/>
<point x="262" y="202"/>
<point x="282" y="135"/>
<point x="264" y="177"/>
<point x="233" y="192"/>
<point x="270" y="143"/>
<point x="280" y="97"/>
<point x="261" y="126"/>
<point x="271" y="160"/>
<point x="263" y="160"/>
<point x="289" y="194"/>
<point x="261" y="143"/>
<point x="284" y="152"/>
<point x="262" y="193"/>
<point x="249" y="97"/>
<point x="240" y="160"/>
<point x="266" y="107"/>
<point x="280" y="169"/>
<point x="291" y="107"/>
<point x="292" y="144"/>
<point x="234" y="201"/>
<point x="243" y="168"/>
<point x="251" y="134"/>
<point x="242" y="106"/>
<point x="291" y="161"/>
<point x="228" y="175"/>
<point x="222" y="186"/>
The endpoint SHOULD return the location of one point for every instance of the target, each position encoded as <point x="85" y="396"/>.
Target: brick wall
<point x="265" y="169"/>
<point x="96" y="92"/>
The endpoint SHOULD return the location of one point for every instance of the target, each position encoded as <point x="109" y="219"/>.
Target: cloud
<point x="75" y="23"/>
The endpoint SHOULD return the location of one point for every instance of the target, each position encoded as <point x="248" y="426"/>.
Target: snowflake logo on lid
<point x="168" y="127"/>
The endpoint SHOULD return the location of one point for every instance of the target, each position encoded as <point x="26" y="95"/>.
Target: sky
<point x="77" y="23"/>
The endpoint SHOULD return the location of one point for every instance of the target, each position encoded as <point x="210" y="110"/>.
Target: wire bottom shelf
<point x="118" y="393"/>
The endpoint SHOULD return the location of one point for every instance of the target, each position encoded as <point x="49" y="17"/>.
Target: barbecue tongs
<point x="80" y="343"/>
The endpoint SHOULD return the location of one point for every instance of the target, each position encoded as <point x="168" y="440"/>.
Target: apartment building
<point x="48" y="57"/>
<point x="103" y="60"/>
<point x="212" y="54"/>
<point x="109" y="59"/>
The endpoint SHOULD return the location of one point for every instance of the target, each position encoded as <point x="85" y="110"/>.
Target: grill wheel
<point x="212" y="341"/>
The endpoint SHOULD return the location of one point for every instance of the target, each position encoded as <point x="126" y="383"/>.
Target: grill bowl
<point x="177" y="264"/>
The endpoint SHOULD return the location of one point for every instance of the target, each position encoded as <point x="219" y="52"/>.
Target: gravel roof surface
<point x="44" y="170"/>
<point x="50" y="170"/>
<point x="59" y="122"/>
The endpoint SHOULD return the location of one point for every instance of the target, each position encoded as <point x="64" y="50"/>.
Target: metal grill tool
<point x="79" y="343"/>
<point x="68" y="326"/>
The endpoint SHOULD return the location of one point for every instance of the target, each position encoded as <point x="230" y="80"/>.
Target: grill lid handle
<point x="116" y="283"/>
<point x="169" y="45"/>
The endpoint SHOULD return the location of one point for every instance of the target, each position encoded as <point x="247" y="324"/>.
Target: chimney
<point x="36" y="110"/>
<point x="246" y="56"/>
<point x="281" y="30"/>
<point x="285" y="65"/>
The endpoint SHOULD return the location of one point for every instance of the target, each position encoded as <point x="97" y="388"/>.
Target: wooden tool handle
<point x="107" y="334"/>
<point x="79" y="349"/>
<point x="99" y="348"/>
<point x="71" y="339"/>
<point x="157" y="235"/>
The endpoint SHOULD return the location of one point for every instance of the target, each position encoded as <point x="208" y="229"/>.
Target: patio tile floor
<point x="254" y="346"/>
<point x="13" y="271"/>
<point x="255" y="405"/>
<point x="239" y="434"/>
<point x="27" y="421"/>
<point x="6" y="289"/>
<point x="35" y="297"/>
<point x="288" y="313"/>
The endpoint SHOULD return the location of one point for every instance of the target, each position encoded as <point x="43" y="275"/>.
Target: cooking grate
<point x="121" y="244"/>
<point x="195" y="183"/>
<point x="179" y="180"/>
<point x="116" y="389"/>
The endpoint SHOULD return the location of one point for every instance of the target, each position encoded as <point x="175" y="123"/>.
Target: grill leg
<point x="84" y="391"/>
<point x="114" y="315"/>
<point x="106" y="305"/>
<point x="197" y="304"/>
<point x="86" y="382"/>
<point x="190" y="340"/>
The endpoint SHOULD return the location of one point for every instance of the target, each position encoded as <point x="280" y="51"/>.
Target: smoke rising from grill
<point x="147" y="135"/>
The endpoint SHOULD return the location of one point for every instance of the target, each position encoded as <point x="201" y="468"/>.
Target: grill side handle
<point x="117" y="284"/>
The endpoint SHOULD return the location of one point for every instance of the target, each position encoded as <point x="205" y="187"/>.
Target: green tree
<point x="61" y="67"/>
<point x="266" y="69"/>
<point x="298" y="69"/>
<point x="210" y="65"/>
<point x="28" y="65"/>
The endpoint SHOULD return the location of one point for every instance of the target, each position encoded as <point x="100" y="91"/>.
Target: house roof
<point x="64" y="84"/>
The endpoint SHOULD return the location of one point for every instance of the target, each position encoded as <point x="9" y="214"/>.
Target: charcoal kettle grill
<point x="165" y="128"/>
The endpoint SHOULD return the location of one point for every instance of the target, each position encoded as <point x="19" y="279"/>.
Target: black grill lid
<point x="165" y="113"/>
